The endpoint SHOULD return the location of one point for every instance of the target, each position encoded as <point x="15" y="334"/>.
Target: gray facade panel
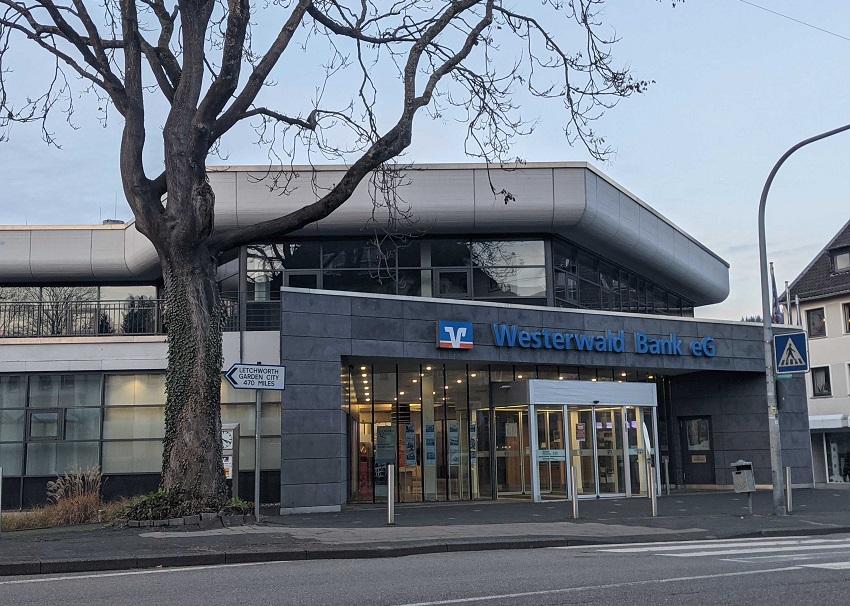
<point x="313" y="421"/>
<point x="737" y="405"/>
<point x="312" y="495"/>
<point x="305" y="446"/>
<point x="312" y="397"/>
<point x="376" y="308"/>
<point x="309" y="372"/>
<point x="315" y="349"/>
<point x="315" y="325"/>
<point x="384" y="329"/>
<point x="298" y="472"/>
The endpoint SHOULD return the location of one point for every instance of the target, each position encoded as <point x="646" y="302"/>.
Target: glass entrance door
<point x="583" y="448"/>
<point x="510" y="448"/>
<point x="551" y="453"/>
<point x="610" y="466"/>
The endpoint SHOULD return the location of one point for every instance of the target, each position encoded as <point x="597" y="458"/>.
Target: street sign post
<point x="258" y="377"/>
<point x="791" y="352"/>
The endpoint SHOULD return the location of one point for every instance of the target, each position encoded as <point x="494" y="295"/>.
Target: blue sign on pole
<point x="791" y="352"/>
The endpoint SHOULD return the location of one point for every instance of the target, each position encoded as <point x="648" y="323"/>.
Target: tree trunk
<point x="192" y="466"/>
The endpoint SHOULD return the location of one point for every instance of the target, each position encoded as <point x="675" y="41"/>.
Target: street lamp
<point x="766" y="314"/>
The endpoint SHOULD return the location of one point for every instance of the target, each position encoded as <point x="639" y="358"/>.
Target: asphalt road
<point x="804" y="570"/>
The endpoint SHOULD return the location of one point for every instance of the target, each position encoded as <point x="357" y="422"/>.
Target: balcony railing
<point x="20" y="319"/>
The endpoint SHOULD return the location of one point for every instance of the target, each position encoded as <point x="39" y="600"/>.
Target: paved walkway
<point x="361" y="531"/>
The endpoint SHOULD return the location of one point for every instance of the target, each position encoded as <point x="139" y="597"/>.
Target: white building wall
<point x="68" y="354"/>
<point x="833" y="351"/>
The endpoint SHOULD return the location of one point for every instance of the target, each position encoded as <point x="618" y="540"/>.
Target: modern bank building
<point x="483" y="350"/>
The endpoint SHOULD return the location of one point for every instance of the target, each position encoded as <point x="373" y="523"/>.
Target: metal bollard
<point x="653" y="489"/>
<point x="574" y="490"/>
<point x="390" y="494"/>
<point x="667" y="475"/>
<point x="788" y="498"/>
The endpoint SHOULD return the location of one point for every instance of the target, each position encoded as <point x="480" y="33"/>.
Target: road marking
<point x="527" y="594"/>
<point x="718" y="544"/>
<point x="793" y="557"/>
<point x="830" y="565"/>
<point x="697" y="554"/>
<point x="128" y="573"/>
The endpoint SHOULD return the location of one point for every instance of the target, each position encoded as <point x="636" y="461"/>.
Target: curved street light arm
<point x="766" y="312"/>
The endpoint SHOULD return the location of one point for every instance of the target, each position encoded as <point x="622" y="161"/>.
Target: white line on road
<point x="128" y="573"/>
<point x="527" y="594"/>
<point x="830" y="566"/>
<point x="735" y="544"/>
<point x="699" y="554"/>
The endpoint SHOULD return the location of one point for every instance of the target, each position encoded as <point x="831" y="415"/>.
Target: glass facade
<point x="530" y="271"/>
<point x="50" y="422"/>
<point x="438" y="425"/>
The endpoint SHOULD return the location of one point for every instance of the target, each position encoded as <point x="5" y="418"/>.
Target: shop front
<point x="452" y="433"/>
<point x="482" y="401"/>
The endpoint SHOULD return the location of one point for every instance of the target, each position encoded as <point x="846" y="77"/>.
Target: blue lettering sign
<point x="505" y="335"/>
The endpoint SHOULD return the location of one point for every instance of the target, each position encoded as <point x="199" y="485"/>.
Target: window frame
<point x="834" y="258"/>
<point x="828" y="392"/>
<point x="845" y="309"/>
<point x="809" y="313"/>
<point x="60" y="425"/>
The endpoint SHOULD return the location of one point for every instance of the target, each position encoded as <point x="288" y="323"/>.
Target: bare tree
<point x="209" y="62"/>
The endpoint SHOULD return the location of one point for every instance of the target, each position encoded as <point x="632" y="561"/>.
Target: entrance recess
<point x="607" y="440"/>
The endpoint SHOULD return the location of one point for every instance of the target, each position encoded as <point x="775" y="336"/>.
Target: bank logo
<point x="454" y="335"/>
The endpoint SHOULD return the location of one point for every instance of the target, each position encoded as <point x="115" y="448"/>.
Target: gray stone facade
<point x="320" y="329"/>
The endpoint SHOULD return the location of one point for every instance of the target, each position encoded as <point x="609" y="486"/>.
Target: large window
<point x="821" y="386"/>
<point x="583" y="280"/>
<point x="49" y="422"/>
<point x="816" y="322"/>
<point x="485" y="270"/>
<point x="498" y="269"/>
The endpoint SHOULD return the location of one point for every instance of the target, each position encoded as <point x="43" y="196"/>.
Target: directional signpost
<point x="258" y="377"/>
<point x="791" y="352"/>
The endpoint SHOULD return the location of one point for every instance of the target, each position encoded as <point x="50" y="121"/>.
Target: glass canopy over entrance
<point x="466" y="433"/>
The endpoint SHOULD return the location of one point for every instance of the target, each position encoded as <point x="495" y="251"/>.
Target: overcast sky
<point x="735" y="86"/>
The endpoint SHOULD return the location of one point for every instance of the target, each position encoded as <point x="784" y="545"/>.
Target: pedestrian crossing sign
<point x="791" y="352"/>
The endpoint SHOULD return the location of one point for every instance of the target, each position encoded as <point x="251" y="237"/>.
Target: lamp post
<point x="770" y="371"/>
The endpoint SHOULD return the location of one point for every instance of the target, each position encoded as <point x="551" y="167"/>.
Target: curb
<point x="36" y="567"/>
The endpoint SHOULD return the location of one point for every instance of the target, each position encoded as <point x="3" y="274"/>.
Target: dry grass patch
<point x="73" y="498"/>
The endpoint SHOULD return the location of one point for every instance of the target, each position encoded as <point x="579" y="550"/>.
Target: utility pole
<point x="776" y="470"/>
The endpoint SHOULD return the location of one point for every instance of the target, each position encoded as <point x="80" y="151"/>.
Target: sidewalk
<point x="361" y="531"/>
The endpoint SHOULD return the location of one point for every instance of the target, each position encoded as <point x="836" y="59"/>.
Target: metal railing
<point x="80" y="318"/>
<point x="21" y="319"/>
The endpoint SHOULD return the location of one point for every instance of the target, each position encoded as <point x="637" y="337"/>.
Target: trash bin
<point x="742" y="476"/>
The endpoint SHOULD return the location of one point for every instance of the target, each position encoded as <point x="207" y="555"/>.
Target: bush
<point x="165" y="505"/>
<point x="75" y="496"/>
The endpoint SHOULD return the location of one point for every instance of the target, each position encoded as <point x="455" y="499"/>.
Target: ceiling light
<point x="650" y="376"/>
<point x="362" y="368"/>
<point x="622" y="374"/>
<point x="427" y="368"/>
<point x="401" y="393"/>
<point x="593" y="379"/>
<point x="367" y="399"/>
<point x="560" y="378"/>
<point x="475" y="374"/>
<point x="365" y="381"/>
<point x="519" y="376"/>
<point x="364" y="375"/>
<point x="415" y="380"/>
